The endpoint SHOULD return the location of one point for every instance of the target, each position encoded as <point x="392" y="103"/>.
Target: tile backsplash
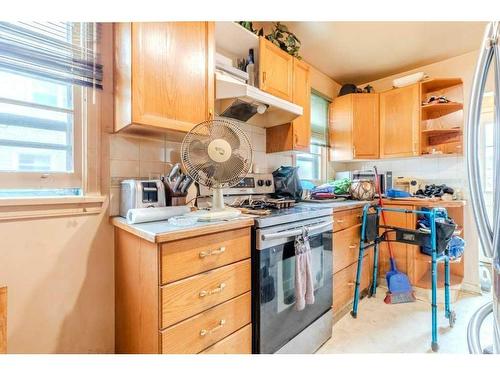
<point x="133" y="156"/>
<point x="439" y="169"/>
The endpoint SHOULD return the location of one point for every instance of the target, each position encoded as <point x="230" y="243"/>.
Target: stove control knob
<point x="260" y="182"/>
<point x="269" y="182"/>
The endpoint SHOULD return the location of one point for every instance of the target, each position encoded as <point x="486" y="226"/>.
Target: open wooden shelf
<point x="434" y="132"/>
<point x="426" y="282"/>
<point x="436" y="84"/>
<point x="232" y="38"/>
<point x="432" y="111"/>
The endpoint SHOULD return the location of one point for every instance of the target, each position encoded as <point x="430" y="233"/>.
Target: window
<point x="313" y="165"/>
<point x="46" y="71"/>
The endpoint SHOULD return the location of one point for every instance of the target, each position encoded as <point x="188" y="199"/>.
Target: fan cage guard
<point x="203" y="168"/>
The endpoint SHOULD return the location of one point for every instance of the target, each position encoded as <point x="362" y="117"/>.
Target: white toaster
<point x="141" y="194"/>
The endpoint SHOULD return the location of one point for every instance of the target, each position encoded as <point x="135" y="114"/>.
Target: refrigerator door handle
<point x="474" y="328"/>
<point x="473" y="169"/>
<point x="496" y="140"/>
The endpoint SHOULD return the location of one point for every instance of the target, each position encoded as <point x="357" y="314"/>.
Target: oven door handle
<point x="295" y="232"/>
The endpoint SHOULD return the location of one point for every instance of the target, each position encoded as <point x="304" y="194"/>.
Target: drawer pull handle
<point x="219" y="289"/>
<point x="208" y="253"/>
<point x="351" y="283"/>
<point x="340" y="221"/>
<point x="353" y="246"/>
<point x="205" y="332"/>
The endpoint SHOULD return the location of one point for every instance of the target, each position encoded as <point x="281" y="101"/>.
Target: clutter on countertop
<point x="144" y="215"/>
<point x="435" y="191"/>
<point x="396" y="193"/>
<point x="362" y="190"/>
<point x="287" y="183"/>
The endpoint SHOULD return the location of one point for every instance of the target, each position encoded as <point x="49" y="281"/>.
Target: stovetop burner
<point x="264" y="204"/>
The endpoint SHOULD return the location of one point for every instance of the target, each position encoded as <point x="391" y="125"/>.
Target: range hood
<point x="246" y="103"/>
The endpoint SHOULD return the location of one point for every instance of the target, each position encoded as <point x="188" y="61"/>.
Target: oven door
<point x="277" y="320"/>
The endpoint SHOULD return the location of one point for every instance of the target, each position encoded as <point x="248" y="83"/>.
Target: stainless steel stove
<point x="277" y="326"/>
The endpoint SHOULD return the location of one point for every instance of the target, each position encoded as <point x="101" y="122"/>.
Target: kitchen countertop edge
<point x="182" y="233"/>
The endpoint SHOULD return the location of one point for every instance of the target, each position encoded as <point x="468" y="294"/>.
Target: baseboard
<point x="471" y="287"/>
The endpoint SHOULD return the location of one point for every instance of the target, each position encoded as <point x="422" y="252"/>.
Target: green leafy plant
<point x="285" y="39"/>
<point x="249" y="26"/>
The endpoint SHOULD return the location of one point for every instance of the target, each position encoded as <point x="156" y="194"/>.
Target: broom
<point x="400" y="290"/>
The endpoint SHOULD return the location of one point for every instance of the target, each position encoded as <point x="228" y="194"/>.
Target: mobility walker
<point x="437" y="238"/>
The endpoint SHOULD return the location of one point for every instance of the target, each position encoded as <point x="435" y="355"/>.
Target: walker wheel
<point x="452" y="318"/>
<point x="354" y="315"/>
<point x="434" y="346"/>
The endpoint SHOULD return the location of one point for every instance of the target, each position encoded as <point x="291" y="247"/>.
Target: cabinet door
<point x="172" y="74"/>
<point x="340" y="128"/>
<point x="302" y="97"/>
<point x="275" y="70"/>
<point x="400" y="122"/>
<point x="365" y="126"/>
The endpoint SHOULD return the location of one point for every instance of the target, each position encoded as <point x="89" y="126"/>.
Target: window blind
<point x="319" y="120"/>
<point x="59" y="51"/>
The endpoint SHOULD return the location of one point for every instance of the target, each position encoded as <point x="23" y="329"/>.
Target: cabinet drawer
<point x="239" y="342"/>
<point x="185" y="298"/>
<point x="345" y="247"/>
<point x="346" y="219"/>
<point x="188" y="257"/>
<point x="343" y="283"/>
<point x="203" y="330"/>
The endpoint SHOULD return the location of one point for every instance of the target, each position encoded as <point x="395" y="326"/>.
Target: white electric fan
<point x="217" y="154"/>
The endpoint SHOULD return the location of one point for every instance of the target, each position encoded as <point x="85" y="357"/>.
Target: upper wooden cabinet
<point x="354" y="127"/>
<point x="295" y="136"/>
<point x="275" y="70"/>
<point x="400" y="122"/>
<point x="164" y="74"/>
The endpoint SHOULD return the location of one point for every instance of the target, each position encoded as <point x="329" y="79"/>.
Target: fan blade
<point x="229" y="170"/>
<point x="198" y="148"/>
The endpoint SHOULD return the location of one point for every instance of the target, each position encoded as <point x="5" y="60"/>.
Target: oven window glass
<point x="286" y="271"/>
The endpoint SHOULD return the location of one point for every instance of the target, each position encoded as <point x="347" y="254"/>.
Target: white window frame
<point x="55" y="180"/>
<point x="323" y="169"/>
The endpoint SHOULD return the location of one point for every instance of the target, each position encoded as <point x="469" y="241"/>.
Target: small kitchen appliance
<point x="217" y="154"/>
<point x="141" y="194"/>
<point x="408" y="184"/>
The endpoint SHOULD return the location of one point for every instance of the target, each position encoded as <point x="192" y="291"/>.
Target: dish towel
<point x="304" y="284"/>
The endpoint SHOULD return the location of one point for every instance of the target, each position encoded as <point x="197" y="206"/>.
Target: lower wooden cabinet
<point x="239" y="342"/>
<point x="346" y="238"/>
<point x="207" y="307"/>
<point x="206" y="329"/>
<point x="344" y="283"/>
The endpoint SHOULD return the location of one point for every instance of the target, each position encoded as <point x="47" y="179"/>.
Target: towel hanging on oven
<point x="304" y="283"/>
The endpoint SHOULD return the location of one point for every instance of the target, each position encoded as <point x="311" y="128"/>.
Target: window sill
<point x="45" y="207"/>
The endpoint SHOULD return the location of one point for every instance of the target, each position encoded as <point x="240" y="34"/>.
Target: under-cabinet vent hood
<point x="246" y="103"/>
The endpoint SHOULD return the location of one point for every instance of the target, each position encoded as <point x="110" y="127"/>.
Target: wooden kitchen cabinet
<point x="275" y="70"/>
<point x="346" y="238"/>
<point x="163" y="74"/>
<point x="400" y="122"/>
<point x="354" y="127"/>
<point x="295" y="136"/>
<point x="188" y="292"/>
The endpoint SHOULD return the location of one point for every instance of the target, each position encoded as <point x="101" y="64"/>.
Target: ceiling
<point x="360" y="52"/>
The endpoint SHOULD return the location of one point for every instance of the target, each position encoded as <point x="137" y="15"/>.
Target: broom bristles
<point x="393" y="298"/>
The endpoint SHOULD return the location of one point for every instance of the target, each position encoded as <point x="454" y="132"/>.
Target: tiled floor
<point x="404" y="328"/>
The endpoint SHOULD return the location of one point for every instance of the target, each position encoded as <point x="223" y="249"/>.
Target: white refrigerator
<point x="487" y="216"/>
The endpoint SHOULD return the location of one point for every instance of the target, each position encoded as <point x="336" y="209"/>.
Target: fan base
<point x="217" y="215"/>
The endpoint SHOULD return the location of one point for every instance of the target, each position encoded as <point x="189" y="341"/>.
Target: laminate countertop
<point x="162" y="231"/>
<point x="336" y="206"/>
